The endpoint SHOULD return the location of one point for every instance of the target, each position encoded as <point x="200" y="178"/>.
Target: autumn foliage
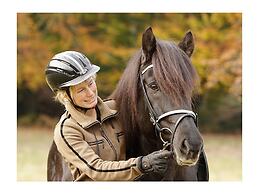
<point x="109" y="40"/>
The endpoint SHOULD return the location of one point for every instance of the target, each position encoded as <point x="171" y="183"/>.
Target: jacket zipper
<point x="104" y="119"/>
<point x="110" y="116"/>
<point x="103" y="133"/>
<point x="105" y="136"/>
<point x="118" y="136"/>
<point x="109" y="142"/>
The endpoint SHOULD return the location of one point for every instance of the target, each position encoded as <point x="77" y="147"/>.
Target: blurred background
<point x="109" y="40"/>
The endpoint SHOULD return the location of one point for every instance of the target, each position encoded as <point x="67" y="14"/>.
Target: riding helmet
<point x="68" y="68"/>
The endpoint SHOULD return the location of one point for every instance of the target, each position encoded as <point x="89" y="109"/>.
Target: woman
<point x="88" y="134"/>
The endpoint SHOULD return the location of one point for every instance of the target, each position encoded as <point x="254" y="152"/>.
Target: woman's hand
<point x="155" y="162"/>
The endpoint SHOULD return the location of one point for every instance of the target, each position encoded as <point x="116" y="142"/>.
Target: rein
<point x="155" y="119"/>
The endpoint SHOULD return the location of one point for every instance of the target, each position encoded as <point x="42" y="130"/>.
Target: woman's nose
<point x="89" y="92"/>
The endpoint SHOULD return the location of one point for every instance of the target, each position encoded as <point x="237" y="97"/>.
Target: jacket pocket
<point x="96" y="146"/>
<point x="96" y="143"/>
<point x="119" y="135"/>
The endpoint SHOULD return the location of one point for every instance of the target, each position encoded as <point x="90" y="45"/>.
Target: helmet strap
<point x="68" y="94"/>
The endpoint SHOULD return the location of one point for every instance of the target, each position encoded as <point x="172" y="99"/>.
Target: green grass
<point x="32" y="152"/>
<point x="223" y="152"/>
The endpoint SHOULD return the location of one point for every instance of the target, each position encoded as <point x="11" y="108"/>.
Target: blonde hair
<point x="62" y="96"/>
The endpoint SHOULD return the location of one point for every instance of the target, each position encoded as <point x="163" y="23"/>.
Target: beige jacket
<point x="94" y="150"/>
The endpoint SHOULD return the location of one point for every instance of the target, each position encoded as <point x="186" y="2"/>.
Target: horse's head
<point x="167" y="80"/>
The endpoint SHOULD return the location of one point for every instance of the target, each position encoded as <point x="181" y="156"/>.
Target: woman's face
<point x="85" y="94"/>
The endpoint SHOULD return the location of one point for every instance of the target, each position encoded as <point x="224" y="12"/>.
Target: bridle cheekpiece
<point x="155" y="119"/>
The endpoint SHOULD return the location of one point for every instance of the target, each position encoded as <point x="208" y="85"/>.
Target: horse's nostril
<point x="191" y="151"/>
<point x="184" y="147"/>
<point x="193" y="154"/>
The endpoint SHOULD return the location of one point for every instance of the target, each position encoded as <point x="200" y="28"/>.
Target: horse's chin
<point x="183" y="162"/>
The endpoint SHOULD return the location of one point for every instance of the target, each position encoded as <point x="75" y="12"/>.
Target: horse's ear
<point x="187" y="44"/>
<point x="148" y="44"/>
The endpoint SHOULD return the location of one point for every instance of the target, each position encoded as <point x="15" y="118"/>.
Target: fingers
<point x="160" y="168"/>
<point x="165" y="154"/>
<point x="160" y="162"/>
<point x="157" y="152"/>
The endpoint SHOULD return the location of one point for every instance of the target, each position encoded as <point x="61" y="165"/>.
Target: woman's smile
<point x="85" y="94"/>
<point x="91" y="100"/>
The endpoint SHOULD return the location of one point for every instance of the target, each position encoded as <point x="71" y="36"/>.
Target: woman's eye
<point x="153" y="85"/>
<point x="81" y="90"/>
<point x="90" y="83"/>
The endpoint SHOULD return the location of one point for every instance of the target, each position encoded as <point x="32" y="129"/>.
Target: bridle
<point x="155" y="119"/>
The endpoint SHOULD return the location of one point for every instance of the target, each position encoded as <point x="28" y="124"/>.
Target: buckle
<point x="152" y="120"/>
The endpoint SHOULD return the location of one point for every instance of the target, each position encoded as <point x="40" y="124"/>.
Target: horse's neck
<point x="149" y="144"/>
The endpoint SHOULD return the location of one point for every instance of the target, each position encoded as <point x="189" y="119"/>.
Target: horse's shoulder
<point x="110" y="103"/>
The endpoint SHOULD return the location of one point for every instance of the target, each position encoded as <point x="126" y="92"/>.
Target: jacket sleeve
<point x="71" y="145"/>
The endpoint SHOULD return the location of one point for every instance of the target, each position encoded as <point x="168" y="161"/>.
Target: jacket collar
<point x="88" y="118"/>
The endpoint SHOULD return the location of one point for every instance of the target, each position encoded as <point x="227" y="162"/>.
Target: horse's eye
<point x="153" y="85"/>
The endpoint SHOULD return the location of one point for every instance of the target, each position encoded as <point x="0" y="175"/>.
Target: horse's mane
<point x="173" y="72"/>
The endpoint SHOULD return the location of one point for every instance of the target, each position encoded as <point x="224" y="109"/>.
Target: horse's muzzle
<point x="188" y="154"/>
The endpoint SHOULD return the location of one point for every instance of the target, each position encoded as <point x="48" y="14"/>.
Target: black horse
<point x="154" y="101"/>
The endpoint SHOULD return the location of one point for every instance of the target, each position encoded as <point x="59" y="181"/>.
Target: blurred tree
<point x="109" y="40"/>
<point x="32" y="53"/>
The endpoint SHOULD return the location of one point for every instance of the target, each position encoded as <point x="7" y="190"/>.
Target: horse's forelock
<point x="174" y="72"/>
